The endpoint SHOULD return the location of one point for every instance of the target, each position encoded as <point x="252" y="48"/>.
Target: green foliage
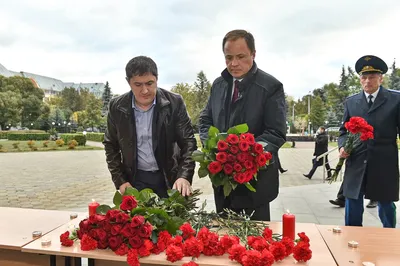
<point x="317" y="114"/>
<point x="93" y="112"/>
<point x="28" y="136"/>
<point x="80" y="138"/>
<point x="106" y="97"/>
<point x="95" y="136"/>
<point x="60" y="142"/>
<point x="72" y="144"/>
<point x="15" y="145"/>
<point x="3" y="134"/>
<point x="394" y="80"/>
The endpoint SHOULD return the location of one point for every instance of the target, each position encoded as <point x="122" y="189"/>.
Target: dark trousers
<point x="340" y="195"/>
<point x="354" y="211"/>
<point x="260" y="212"/>
<point x="320" y="163"/>
<point x="151" y="179"/>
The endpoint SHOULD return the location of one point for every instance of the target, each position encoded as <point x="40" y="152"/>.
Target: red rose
<point x="231" y="158"/>
<point x="258" y="148"/>
<point x="268" y="156"/>
<point x="237" y="167"/>
<point x="248" y="137"/>
<point x="302" y="252"/>
<point x="222" y="145"/>
<point x="115" y="242"/>
<point x="234" y="149"/>
<point x="261" y="160"/>
<point x="174" y="253"/>
<point x="248" y="164"/>
<point x="84" y="226"/>
<point x="215" y="167"/>
<point x="122" y="217"/>
<point x="88" y="243"/>
<point x="137" y="221"/>
<point x="126" y="231"/>
<point x="222" y="157"/>
<point x="101" y="234"/>
<point x="247" y="176"/>
<point x="128" y="203"/>
<point x="136" y="241"/>
<point x="112" y="215"/>
<point x="144" y="250"/>
<point x="145" y="230"/>
<point x="241" y="157"/>
<point x="228" y="169"/>
<point x="133" y="258"/>
<point x="244" y="146"/>
<point x="122" y="250"/>
<point x="115" y="229"/>
<point x="187" y="230"/>
<point x="102" y="244"/>
<point x="232" y="139"/>
<point x="65" y="241"/>
<point x="240" y="178"/>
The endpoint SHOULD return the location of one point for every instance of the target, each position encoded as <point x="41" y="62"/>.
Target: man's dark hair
<point x="322" y="127"/>
<point x="236" y="34"/>
<point x="139" y="66"/>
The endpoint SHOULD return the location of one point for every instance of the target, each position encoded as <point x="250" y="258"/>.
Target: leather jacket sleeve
<point x="112" y="150"/>
<point x="186" y="141"/>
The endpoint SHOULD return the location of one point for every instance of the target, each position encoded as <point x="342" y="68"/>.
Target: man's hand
<point x="123" y="187"/>
<point x="183" y="186"/>
<point x="342" y="153"/>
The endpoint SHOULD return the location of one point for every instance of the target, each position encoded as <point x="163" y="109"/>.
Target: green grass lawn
<point x="7" y="146"/>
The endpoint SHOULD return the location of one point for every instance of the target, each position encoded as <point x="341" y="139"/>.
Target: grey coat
<point x="375" y="162"/>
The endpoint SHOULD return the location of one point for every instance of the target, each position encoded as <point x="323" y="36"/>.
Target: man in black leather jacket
<point x="246" y="94"/>
<point x="143" y="128"/>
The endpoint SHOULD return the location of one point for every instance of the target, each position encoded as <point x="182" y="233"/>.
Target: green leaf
<point x="203" y="172"/>
<point x="103" y="209"/>
<point x="216" y="180"/>
<point x="233" y="130"/>
<point x="154" y="236"/>
<point x="198" y="156"/>
<point x="138" y="210"/>
<point x="227" y="189"/>
<point x="117" y="200"/>
<point x="234" y="185"/>
<point x="213" y="131"/>
<point x="222" y="136"/>
<point x="250" y="187"/>
<point x="131" y="191"/>
<point x="242" y="128"/>
<point x="145" y="195"/>
<point x="211" y="143"/>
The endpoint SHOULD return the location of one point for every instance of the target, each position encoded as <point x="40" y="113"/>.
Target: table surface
<point x="17" y="225"/>
<point x="380" y="246"/>
<point x="320" y="256"/>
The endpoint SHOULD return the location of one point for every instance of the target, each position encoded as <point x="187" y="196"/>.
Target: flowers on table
<point x="358" y="131"/>
<point x="231" y="159"/>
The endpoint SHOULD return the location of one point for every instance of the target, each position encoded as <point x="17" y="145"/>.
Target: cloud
<point x="302" y="44"/>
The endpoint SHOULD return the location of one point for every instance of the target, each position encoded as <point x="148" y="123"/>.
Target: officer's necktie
<point x="370" y="102"/>
<point x="235" y="91"/>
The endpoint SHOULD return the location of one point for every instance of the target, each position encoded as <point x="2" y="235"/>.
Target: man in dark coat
<point x="144" y="128"/>
<point x="321" y="146"/>
<point x="372" y="169"/>
<point x="246" y="94"/>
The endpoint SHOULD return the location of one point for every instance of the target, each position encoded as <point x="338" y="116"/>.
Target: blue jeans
<point x="354" y="211"/>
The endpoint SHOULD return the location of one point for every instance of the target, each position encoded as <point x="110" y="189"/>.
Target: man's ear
<point x="254" y="55"/>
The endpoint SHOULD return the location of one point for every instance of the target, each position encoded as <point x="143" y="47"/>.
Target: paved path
<point x="69" y="180"/>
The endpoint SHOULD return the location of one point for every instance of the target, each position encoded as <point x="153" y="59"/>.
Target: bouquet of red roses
<point x="358" y="131"/>
<point x="231" y="159"/>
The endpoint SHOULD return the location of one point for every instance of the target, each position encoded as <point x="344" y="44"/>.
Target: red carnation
<point x="278" y="250"/>
<point x="187" y="230"/>
<point x="252" y="258"/>
<point x="289" y="245"/>
<point x="232" y="139"/>
<point x="174" y="253"/>
<point x="222" y="145"/>
<point x="215" y="167"/>
<point x="128" y="203"/>
<point x="132" y="258"/>
<point x="190" y="263"/>
<point x="267" y="257"/>
<point x="163" y="239"/>
<point x="244" y="146"/>
<point x="267" y="233"/>
<point x="144" y="250"/>
<point x="88" y="243"/>
<point x="302" y="252"/>
<point x="234" y="149"/>
<point x="228" y="241"/>
<point x="236" y="252"/>
<point x="176" y="241"/>
<point x="228" y="169"/>
<point x="192" y="247"/>
<point x="304" y="237"/>
<point x="65" y="241"/>
<point x="222" y="157"/>
<point x="122" y="250"/>
<point x="367" y="135"/>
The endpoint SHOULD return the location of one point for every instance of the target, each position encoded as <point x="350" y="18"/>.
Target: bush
<point x="30" y="143"/>
<point x="95" y="136"/>
<point x="60" y="142"/>
<point x="33" y="148"/>
<point x="3" y="134"/>
<point x="80" y="138"/>
<point x="72" y="144"/>
<point x="45" y="144"/>
<point x="15" y="145"/>
<point x="28" y="135"/>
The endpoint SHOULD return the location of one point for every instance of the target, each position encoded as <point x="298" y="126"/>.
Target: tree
<point x="394" y="80"/>
<point x="186" y="91"/>
<point x="10" y="108"/>
<point x="70" y="99"/>
<point x="353" y="82"/>
<point x="106" y="97"/>
<point x="318" y="112"/>
<point x="201" y="91"/>
<point x="93" y="111"/>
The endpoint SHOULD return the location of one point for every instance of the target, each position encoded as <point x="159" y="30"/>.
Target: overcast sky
<point x="302" y="43"/>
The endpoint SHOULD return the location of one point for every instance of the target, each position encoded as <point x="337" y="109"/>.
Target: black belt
<point x="152" y="172"/>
